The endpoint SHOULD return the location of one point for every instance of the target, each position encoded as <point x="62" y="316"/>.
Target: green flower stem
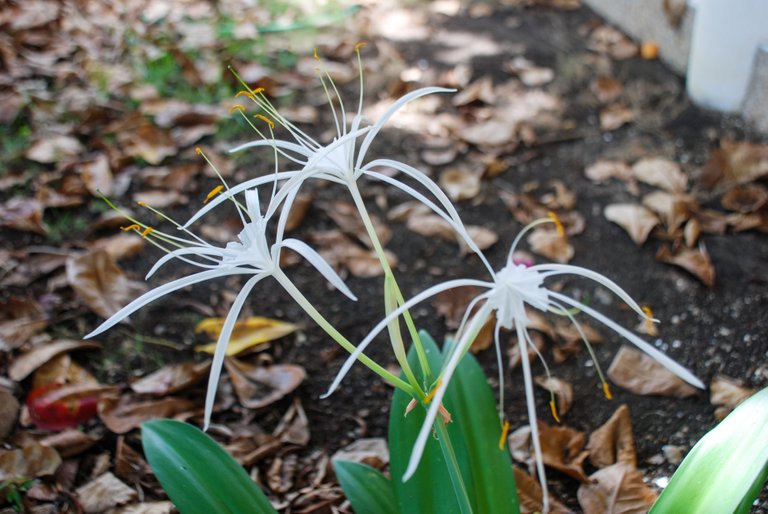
<point x="366" y="219"/>
<point x="318" y="318"/>
<point x="453" y="467"/>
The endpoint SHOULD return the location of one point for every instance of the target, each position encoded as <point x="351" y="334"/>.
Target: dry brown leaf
<point x="70" y="442"/>
<point x="562" y="448"/>
<point x="452" y="304"/>
<point x="479" y="90"/>
<point x="96" y="175"/>
<point x="9" y="411"/>
<point x="123" y="414"/>
<point x="247" y="334"/>
<point x="171" y="378"/>
<point x="514" y="350"/>
<point x="493" y="132"/>
<point x="129" y="464"/>
<point x="99" y="282"/>
<point x="258" y="386"/>
<point x="637" y="220"/>
<point x="340" y="251"/>
<point x="54" y="148"/>
<point x="158" y="507"/>
<point x="613" y="442"/>
<point x="32" y="461"/>
<point x="294" y="426"/>
<point x="694" y="260"/>
<point x="570" y="334"/>
<point x="673" y="208"/>
<point x="120" y="246"/>
<point x="548" y="243"/>
<point x="608" y="40"/>
<point x="344" y="214"/>
<point x="691" y="232"/>
<point x="160" y="198"/>
<point x="460" y="183"/>
<point x="20" y="319"/>
<point x="603" y="170"/>
<point x="617" y="489"/>
<point x="371" y="451"/>
<point x="734" y="163"/>
<point x="147" y="141"/>
<point x="615" y="116"/>
<point x="28" y="362"/>
<point x="103" y="493"/>
<point x="746" y="199"/>
<point x="606" y="89"/>
<point x="637" y="372"/>
<point x="726" y="393"/>
<point x="23" y="214"/>
<point x="531" y="497"/>
<point x="562" y="390"/>
<point x="61" y="369"/>
<point x="661" y="172"/>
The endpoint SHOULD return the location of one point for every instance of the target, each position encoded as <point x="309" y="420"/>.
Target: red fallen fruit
<point x="60" y="406"/>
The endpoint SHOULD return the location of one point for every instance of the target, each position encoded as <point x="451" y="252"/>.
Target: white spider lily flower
<point x="341" y="161"/>
<point x="250" y="254"/>
<point x="512" y="289"/>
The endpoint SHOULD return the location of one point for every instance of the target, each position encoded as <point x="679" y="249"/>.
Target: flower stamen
<point x="264" y="118"/>
<point x="236" y="107"/>
<point x="504" y="432"/>
<point x="216" y="190"/>
<point x="650" y="327"/>
<point x="558" y="225"/>
<point x="246" y="93"/>
<point x="607" y="391"/>
<point x="553" y="408"/>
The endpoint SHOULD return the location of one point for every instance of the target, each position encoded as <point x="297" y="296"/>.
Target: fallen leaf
<point x="673" y="208"/>
<point x="493" y="132"/>
<point x="258" y="386"/>
<point x="694" y="260"/>
<point x="70" y="443"/>
<point x="28" y="362"/>
<point x="515" y="359"/>
<point x="562" y="448"/>
<point x="340" y="251"/>
<point x="691" y="232"/>
<point x="120" y="246"/>
<point x="615" y="116"/>
<point x="371" y="451"/>
<point x="479" y="90"/>
<point x="246" y="335"/>
<point x="9" y="412"/>
<point x="734" y="163"/>
<point x="637" y="220"/>
<point x="531" y="497"/>
<point x="746" y="199"/>
<point x="608" y="40"/>
<point x="96" y="174"/>
<point x="637" y="372"/>
<point x="294" y="425"/>
<point x="617" y="489"/>
<point x="99" y="282"/>
<point x="726" y="393"/>
<point x="20" y="319"/>
<point x="602" y="170"/>
<point x="613" y="442"/>
<point x="661" y="172"/>
<point x="562" y="390"/>
<point x="452" y="304"/>
<point x="23" y="214"/>
<point x="344" y="214"/>
<point x="54" y="148"/>
<point x="157" y="507"/>
<point x="32" y="461"/>
<point x="606" y="89"/>
<point x="129" y="464"/>
<point x="143" y="139"/>
<point x="460" y="183"/>
<point x="548" y="243"/>
<point x="123" y="414"/>
<point x="103" y="493"/>
<point x="171" y="378"/>
<point x="160" y="198"/>
<point x="61" y="369"/>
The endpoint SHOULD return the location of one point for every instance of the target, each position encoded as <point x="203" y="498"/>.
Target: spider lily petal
<point x="320" y="265"/>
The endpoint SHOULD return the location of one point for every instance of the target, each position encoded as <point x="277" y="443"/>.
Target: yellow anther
<point x="142" y="203"/>
<point x="131" y="227"/>
<point x="558" y="224"/>
<point x="246" y="93"/>
<point x="257" y="91"/>
<point x="504" y="432"/>
<point x="317" y="58"/>
<point x="650" y="327"/>
<point x="216" y="190"/>
<point x="431" y="394"/>
<point x="607" y="391"/>
<point x="359" y="46"/>
<point x="147" y="231"/>
<point x="236" y="107"/>
<point x="553" y="408"/>
<point x="199" y="150"/>
<point x="264" y="118"/>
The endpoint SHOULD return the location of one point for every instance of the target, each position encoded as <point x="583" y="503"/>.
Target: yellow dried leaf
<point x="248" y="333"/>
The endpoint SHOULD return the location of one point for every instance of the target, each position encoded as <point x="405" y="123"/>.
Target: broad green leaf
<point x="474" y="432"/>
<point x="726" y="469"/>
<point x="247" y="333"/>
<point x="198" y="475"/>
<point x="367" y="490"/>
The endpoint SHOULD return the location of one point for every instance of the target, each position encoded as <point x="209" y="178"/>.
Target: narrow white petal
<point x="663" y="359"/>
<point x="413" y="95"/>
<point x="221" y="346"/>
<point x="320" y="265"/>
<point x="450" y="284"/>
<point x="561" y="269"/>
<point x="177" y="254"/>
<point x="445" y="375"/>
<point x="279" y="143"/>
<point x="159" y="291"/>
<point x="228" y="194"/>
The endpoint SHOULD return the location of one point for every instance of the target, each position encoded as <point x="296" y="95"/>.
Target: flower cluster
<point x="506" y="293"/>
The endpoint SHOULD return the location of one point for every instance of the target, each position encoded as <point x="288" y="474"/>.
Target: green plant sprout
<point x="425" y="381"/>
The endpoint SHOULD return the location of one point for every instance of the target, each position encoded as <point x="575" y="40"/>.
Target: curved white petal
<point x="177" y="254"/>
<point x="663" y="359"/>
<point x="279" y="143"/>
<point x="221" y="345"/>
<point x="413" y="95"/>
<point x="159" y="291"/>
<point x="319" y="264"/>
<point x="450" y="284"/>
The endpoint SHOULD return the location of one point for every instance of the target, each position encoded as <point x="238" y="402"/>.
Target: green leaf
<point x="474" y="432"/>
<point x="198" y="475"/>
<point x="726" y="469"/>
<point x="367" y="490"/>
